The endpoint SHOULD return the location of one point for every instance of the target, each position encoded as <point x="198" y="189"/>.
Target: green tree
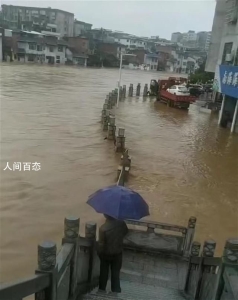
<point x="201" y="75"/>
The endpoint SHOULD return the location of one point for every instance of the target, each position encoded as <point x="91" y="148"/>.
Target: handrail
<point x="164" y="226"/>
<point x="121" y="179"/>
<point x="24" y="288"/>
<point x="63" y="258"/>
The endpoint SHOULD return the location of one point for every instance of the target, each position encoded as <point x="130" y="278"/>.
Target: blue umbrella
<point x="119" y="202"/>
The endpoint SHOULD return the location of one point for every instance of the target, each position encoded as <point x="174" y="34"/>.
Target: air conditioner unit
<point x="229" y="57"/>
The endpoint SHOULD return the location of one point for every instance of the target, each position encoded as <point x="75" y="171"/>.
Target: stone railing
<point x="178" y="242"/>
<point x="213" y="278"/>
<point x="66" y="275"/>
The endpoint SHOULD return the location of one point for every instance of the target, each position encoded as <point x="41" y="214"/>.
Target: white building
<point x="223" y="59"/>
<point x="132" y="42"/>
<point x="151" y="61"/>
<point x="35" y="47"/>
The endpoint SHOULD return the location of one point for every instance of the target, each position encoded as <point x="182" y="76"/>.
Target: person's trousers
<point x="115" y="263"/>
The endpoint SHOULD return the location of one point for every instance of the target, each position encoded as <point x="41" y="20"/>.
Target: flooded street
<point x="182" y="163"/>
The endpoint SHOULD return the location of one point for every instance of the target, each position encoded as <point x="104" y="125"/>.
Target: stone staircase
<point x="145" y="277"/>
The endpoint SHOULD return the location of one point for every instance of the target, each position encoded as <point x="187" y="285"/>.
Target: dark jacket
<point x="111" y="235"/>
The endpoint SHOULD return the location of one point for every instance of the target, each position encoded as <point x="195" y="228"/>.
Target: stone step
<point x="138" y="291"/>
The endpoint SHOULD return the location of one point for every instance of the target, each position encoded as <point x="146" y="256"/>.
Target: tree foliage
<point x="201" y="76"/>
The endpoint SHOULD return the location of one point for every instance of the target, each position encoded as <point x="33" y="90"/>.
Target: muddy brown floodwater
<point x="183" y="164"/>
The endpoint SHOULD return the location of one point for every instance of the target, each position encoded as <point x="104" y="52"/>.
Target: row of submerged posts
<point x="108" y="121"/>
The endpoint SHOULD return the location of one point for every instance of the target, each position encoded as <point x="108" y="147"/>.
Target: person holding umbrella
<point x="117" y="203"/>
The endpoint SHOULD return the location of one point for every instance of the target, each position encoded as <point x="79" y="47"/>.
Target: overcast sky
<point x="143" y="18"/>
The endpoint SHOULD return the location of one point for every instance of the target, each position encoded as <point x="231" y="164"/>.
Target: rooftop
<point x="42" y="8"/>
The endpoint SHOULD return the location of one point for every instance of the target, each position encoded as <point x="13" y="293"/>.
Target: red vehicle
<point x="173" y="100"/>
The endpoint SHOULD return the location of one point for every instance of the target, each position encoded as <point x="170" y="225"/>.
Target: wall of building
<point x="152" y="62"/>
<point x="41" y="56"/>
<point x="80" y="44"/>
<point x="217" y="32"/>
<point x="65" y="23"/>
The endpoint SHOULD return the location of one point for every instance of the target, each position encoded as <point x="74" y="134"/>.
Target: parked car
<point x="179" y="90"/>
<point x="194" y="91"/>
<point x="197" y="87"/>
<point x="208" y="88"/>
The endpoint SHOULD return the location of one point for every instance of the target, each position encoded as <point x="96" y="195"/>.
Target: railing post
<point x="190" y="235"/>
<point x="145" y="90"/>
<point x="138" y="90"/>
<point x="209" y="247"/>
<point x="111" y="128"/>
<point x="71" y="234"/>
<point x="130" y="93"/>
<point x="46" y="264"/>
<point x="90" y="233"/>
<point x="124" y="91"/>
<point x="195" y="251"/>
<point x="229" y="259"/>
<point x="120" y="140"/>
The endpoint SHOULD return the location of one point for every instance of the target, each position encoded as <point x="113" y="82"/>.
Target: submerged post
<point x="124" y="91"/>
<point x="130" y="93"/>
<point x="138" y="90"/>
<point x="120" y="140"/>
<point x="111" y="128"/>
<point x="145" y="92"/>
<point x="106" y="120"/>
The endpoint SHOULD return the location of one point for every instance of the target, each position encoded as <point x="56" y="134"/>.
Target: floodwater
<point x="182" y="163"/>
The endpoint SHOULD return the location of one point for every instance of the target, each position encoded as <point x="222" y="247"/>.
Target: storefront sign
<point x="229" y="80"/>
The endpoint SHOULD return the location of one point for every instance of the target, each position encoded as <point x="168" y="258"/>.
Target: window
<point x="32" y="46"/>
<point x="155" y="67"/>
<point x="39" y="48"/>
<point x="184" y="63"/>
<point x="42" y="12"/>
<point x="51" y="48"/>
<point x="227" y="50"/>
<point x="53" y="29"/>
<point x="57" y="59"/>
<point x="60" y="48"/>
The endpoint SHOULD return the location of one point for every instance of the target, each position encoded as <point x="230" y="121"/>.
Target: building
<point x="203" y="40"/>
<point x="38" y="19"/>
<point x="151" y="61"/>
<point x="81" y="28"/>
<point x="224" y="61"/>
<point x="113" y="49"/>
<point x="77" y="51"/>
<point x="36" y="47"/>
<point x="216" y="36"/>
<point x="176" y="37"/>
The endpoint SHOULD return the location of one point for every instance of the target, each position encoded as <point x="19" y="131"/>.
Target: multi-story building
<point x="224" y="60"/>
<point x="176" y="37"/>
<point x="38" y="19"/>
<point x="81" y="27"/>
<point x="203" y="40"/>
